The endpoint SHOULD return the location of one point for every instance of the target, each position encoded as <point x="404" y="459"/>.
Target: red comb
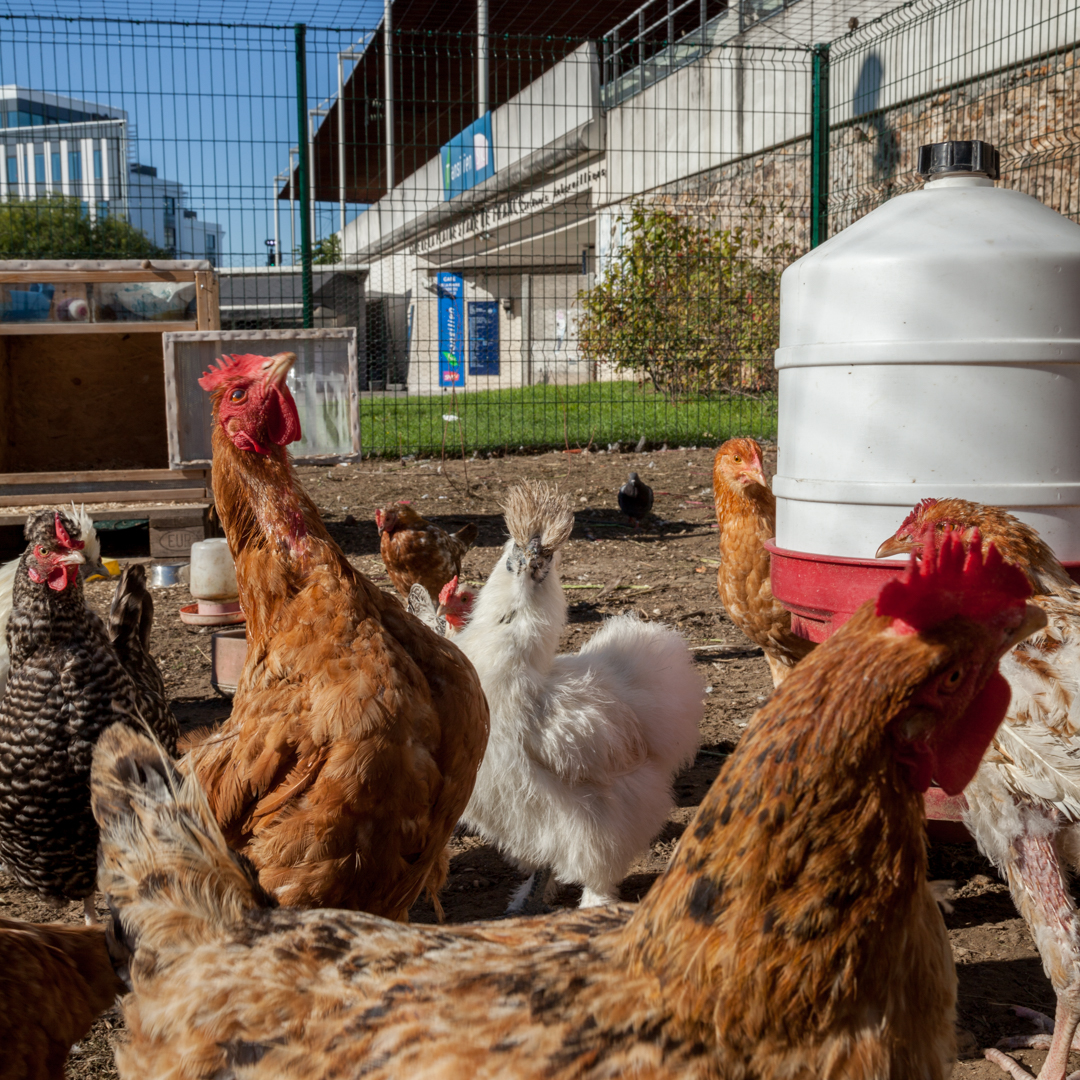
<point x="952" y="578"/>
<point x="65" y="540"/>
<point x="448" y="590"/>
<point x="239" y="364"/>
<point x="917" y="513"/>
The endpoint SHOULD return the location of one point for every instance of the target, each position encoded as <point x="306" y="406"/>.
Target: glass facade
<point x="74" y="165"/>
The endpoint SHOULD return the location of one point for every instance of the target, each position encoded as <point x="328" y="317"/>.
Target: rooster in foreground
<point x="794" y="934"/>
<point x="416" y="551"/>
<point x="583" y="747"/>
<point x="1024" y="803"/>
<point x="746" y="513"/>
<point x="54" y="980"/>
<point x="356" y="732"/>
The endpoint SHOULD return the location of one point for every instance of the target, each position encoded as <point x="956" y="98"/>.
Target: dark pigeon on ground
<point x="635" y="498"/>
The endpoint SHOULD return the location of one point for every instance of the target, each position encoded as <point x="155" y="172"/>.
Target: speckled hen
<point x="65" y="687"/>
<point x="793" y="937"/>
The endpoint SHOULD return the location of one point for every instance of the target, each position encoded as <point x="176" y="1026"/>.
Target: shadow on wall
<point x="865" y="105"/>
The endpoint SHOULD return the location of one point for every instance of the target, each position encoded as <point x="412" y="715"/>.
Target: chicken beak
<point x="73" y="557"/>
<point x="755" y="475"/>
<point x="893" y="546"/>
<point x="278" y="367"/>
<point x="1034" y="619"/>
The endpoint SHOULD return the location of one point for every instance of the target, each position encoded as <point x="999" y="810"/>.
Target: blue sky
<point x="212" y="106"/>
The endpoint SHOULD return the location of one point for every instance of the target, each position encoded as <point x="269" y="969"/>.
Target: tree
<point x="698" y="310"/>
<point x="327" y="250"/>
<point x="57" y="227"/>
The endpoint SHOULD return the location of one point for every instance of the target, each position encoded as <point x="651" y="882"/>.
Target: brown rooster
<point x="356" y="732"/>
<point x="746" y="513"/>
<point x="793" y="936"/>
<point x="1024" y="803"/>
<point x="54" y="980"/>
<point x="416" y="551"/>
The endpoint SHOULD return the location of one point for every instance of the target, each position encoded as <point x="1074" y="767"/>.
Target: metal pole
<point x="703" y="16"/>
<point x="641" y="48"/>
<point x="293" y="180"/>
<point x="341" y="147"/>
<point x="819" y="149"/>
<point x="670" y="22"/>
<point x="388" y="94"/>
<point x="303" y="180"/>
<point x="277" y="222"/>
<point x="312" y="113"/>
<point x="481" y="57"/>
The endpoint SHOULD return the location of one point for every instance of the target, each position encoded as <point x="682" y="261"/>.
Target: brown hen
<point x="793" y="936"/>
<point x="746" y="513"/>
<point x="416" y="551"/>
<point x="356" y="732"/>
<point x="54" y="980"/>
<point x="1024" y="802"/>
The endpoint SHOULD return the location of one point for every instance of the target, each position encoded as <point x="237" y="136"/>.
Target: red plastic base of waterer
<point x="822" y="592"/>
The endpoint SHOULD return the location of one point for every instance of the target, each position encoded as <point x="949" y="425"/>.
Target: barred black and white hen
<point x="66" y="685"/>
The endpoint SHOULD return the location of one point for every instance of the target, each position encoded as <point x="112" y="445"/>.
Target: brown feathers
<point x="54" y="980"/>
<point x="416" y="551"/>
<point x="356" y="732"/>
<point x="746" y="513"/>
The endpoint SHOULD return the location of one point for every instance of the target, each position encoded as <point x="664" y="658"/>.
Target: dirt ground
<point x="665" y="571"/>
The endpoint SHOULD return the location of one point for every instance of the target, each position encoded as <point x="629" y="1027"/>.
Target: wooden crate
<point x="83" y="404"/>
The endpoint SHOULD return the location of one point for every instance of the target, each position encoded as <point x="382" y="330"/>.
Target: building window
<point x="57" y="174"/>
<point x="170" y="238"/>
<point x="84" y="207"/>
<point x="13" y="171"/>
<point x="97" y="164"/>
<point x="39" y="168"/>
<point x="74" y="165"/>
<point x="170" y="206"/>
<point x="102" y="210"/>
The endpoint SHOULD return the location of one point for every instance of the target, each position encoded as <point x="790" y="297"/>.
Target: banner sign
<point x="468" y="158"/>
<point x="451" y="290"/>
<point x="483" y="337"/>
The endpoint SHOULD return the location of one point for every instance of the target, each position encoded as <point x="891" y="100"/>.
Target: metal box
<point x="323" y="381"/>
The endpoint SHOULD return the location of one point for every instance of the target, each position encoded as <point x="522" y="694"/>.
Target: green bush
<point x="699" y="310"/>
<point x="56" y="227"/>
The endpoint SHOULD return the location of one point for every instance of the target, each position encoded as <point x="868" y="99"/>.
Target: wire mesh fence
<point x="564" y="241"/>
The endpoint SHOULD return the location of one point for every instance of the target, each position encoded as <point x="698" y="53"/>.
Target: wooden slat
<point x="142" y="512"/>
<point x="157" y="495"/>
<point x="103" y="476"/>
<point x="59" y="276"/>
<point x="33" y="329"/>
<point x="206" y="300"/>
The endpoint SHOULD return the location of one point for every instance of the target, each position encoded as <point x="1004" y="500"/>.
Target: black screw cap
<point x="962" y="156"/>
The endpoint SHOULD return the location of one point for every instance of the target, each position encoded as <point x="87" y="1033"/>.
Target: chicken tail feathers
<point x="467" y="535"/>
<point x="163" y="865"/>
<point x="131" y="613"/>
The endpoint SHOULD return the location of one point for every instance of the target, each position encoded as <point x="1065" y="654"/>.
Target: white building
<point x="156" y="207"/>
<point x="718" y="123"/>
<point x="54" y="145"/>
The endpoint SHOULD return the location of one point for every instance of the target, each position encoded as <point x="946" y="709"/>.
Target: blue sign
<point x="483" y="337"/>
<point x="451" y="329"/>
<point x="468" y="158"/>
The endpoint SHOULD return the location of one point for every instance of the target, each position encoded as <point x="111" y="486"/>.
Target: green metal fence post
<point x="303" y="181"/>
<point x="819" y="149"/>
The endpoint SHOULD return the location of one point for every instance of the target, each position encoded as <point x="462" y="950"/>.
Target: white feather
<point x="583" y="747"/>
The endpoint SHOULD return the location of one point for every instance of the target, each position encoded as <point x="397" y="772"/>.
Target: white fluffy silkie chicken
<point x="92" y="551"/>
<point x="577" y="775"/>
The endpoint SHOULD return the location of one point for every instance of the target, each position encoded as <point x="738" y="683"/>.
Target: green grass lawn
<point x="550" y="416"/>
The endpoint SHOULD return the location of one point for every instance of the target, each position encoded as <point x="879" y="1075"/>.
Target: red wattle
<point x="959" y="750"/>
<point x="283" y="422"/>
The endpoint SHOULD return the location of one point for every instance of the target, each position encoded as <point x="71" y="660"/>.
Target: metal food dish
<point x="164" y="575"/>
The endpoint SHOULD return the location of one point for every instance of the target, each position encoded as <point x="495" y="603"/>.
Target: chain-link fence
<point x="565" y="241"/>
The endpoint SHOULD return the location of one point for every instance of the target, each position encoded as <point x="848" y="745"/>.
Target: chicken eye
<point x="41" y="551"/>
<point x="738" y="459"/>
<point x="238" y="395"/>
<point x="952" y="680"/>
